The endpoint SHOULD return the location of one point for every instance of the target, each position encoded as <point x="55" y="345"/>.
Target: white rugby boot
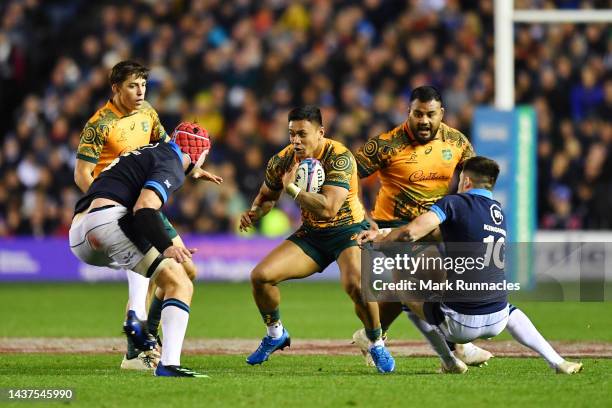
<point x="455" y="367"/>
<point x="146" y="360"/>
<point x="361" y="340"/>
<point x="471" y="354"/>
<point x="568" y="367"/>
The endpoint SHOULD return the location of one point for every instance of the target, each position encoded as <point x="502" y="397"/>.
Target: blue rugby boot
<point x="268" y="346"/>
<point x="137" y="331"/>
<point x="382" y="359"/>
<point x="177" y="371"/>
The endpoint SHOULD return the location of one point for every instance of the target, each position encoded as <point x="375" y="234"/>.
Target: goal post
<point x="508" y="133"/>
<point x="504" y="19"/>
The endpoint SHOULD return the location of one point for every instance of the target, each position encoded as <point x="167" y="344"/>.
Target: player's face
<point x="424" y="119"/>
<point x="131" y="93"/>
<point x="306" y="137"/>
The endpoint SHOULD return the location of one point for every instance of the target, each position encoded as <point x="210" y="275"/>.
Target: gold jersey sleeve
<point x="340" y="170"/>
<point x="277" y="166"/>
<point x="412" y="176"/>
<point x="95" y="134"/>
<point x="377" y="153"/>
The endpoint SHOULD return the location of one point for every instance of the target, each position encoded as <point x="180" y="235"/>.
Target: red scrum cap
<point x="193" y="140"/>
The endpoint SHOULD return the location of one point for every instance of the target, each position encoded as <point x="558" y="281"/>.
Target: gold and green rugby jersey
<point x="108" y="134"/>
<point x="340" y="170"/>
<point x="412" y="176"/>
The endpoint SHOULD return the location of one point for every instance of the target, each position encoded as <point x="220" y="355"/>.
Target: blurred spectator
<point x="561" y="216"/>
<point x="237" y="67"/>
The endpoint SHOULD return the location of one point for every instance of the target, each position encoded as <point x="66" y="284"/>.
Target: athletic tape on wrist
<point x="293" y="190"/>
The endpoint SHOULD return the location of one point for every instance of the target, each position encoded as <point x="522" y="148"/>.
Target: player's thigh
<point x="286" y="261"/>
<point x="188" y="265"/>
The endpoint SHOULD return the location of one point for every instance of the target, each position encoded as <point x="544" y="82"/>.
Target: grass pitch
<point x="309" y="310"/>
<point x="300" y="381"/>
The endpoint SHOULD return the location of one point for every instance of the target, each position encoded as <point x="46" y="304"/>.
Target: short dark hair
<point x="124" y="69"/>
<point x="482" y="170"/>
<point x="425" y="94"/>
<point x="310" y="113"/>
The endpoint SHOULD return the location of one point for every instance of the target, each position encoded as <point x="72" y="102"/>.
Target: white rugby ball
<point x="310" y="175"/>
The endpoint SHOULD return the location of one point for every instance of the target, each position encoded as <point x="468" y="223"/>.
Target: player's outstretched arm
<point x="417" y="229"/>
<point x="266" y="200"/>
<point x="83" y="174"/>
<point x="202" y="174"/>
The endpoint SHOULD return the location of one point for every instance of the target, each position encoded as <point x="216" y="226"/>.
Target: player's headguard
<point x="193" y="140"/>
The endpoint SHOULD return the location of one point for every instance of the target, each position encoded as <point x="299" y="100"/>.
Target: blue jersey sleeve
<point x="166" y="177"/>
<point x="446" y="208"/>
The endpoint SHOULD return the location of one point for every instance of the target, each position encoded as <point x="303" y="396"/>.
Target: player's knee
<point x="261" y="276"/>
<point x="173" y="277"/>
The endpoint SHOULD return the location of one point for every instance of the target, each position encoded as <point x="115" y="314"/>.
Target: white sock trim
<point x="275" y="330"/>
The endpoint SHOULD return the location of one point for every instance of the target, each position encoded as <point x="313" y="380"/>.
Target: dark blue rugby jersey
<point x="158" y="167"/>
<point x="474" y="217"/>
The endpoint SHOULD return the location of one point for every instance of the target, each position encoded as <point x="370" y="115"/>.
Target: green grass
<point x="296" y="381"/>
<point x="219" y="310"/>
<point x="309" y="310"/>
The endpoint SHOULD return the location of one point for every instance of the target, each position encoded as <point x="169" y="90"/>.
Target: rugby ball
<point x="310" y="175"/>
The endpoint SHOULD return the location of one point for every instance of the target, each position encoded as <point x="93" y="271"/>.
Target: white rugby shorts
<point x="96" y="238"/>
<point x="463" y="328"/>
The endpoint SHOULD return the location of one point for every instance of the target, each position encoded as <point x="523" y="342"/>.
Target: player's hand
<point x="289" y="176"/>
<point x="248" y="218"/>
<point x="179" y="253"/>
<point x="366" y="236"/>
<point x="373" y="225"/>
<point x="205" y="175"/>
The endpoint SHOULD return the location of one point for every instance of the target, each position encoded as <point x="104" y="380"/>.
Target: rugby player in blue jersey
<point x="117" y="223"/>
<point x="472" y="216"/>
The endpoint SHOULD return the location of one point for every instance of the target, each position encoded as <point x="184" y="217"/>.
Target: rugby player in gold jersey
<point x="124" y="123"/>
<point x="416" y="163"/>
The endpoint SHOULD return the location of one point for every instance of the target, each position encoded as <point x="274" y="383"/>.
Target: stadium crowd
<point x="238" y="66"/>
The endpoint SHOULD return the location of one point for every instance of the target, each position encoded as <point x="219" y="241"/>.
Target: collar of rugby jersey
<point x="116" y="110"/>
<point x="481" y="192"/>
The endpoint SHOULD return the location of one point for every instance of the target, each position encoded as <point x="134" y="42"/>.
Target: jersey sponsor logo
<point x="447" y="154"/>
<point x="496" y="214"/>
<point x="133" y="125"/>
<point x="428" y="150"/>
<point x="491" y="228"/>
<point x="167" y="183"/>
<point x="145" y="126"/>
<point x="420" y="175"/>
